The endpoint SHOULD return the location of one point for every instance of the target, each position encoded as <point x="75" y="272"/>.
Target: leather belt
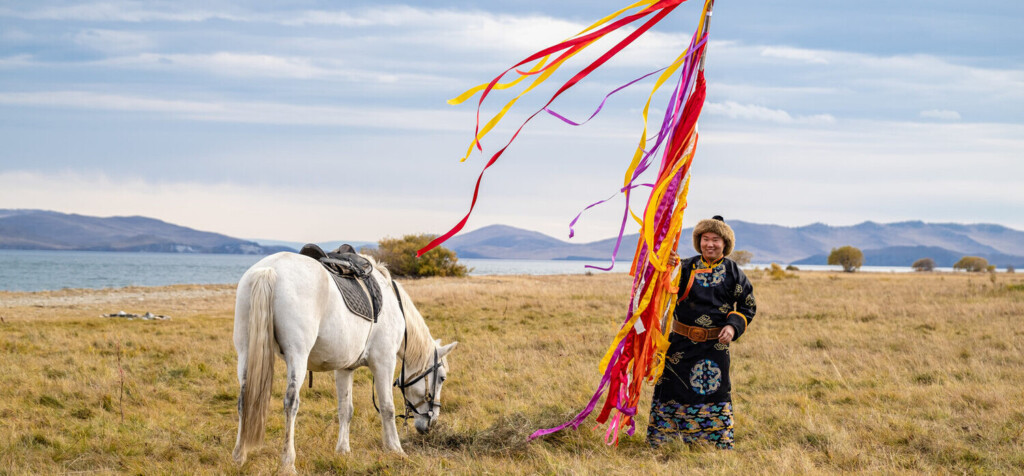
<point x="696" y="334"/>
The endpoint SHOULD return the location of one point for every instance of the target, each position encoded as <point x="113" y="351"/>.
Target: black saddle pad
<point x="352" y="275"/>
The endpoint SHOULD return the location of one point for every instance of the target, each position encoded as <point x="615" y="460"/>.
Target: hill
<point x="893" y="244"/>
<point x="47" y="230"/>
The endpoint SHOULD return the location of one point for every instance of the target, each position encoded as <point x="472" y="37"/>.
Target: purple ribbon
<point x="620" y="88"/>
<point x="578" y="419"/>
<point x="670" y="119"/>
<point x="668" y="128"/>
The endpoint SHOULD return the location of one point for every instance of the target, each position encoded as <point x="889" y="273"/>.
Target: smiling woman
<point x="693" y="399"/>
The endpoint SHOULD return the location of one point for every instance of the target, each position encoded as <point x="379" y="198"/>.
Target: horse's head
<point x="422" y="392"/>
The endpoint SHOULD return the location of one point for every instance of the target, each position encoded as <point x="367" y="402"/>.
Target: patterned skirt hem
<point x="711" y="422"/>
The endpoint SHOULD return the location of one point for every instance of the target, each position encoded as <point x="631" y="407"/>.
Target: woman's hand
<point x="728" y="332"/>
<point x="673" y="259"/>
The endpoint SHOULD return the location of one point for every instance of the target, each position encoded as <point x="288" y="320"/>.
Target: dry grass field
<point x="838" y="373"/>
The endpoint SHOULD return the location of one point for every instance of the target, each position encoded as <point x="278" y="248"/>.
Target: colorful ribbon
<point x="571" y="47"/>
<point x="637" y="352"/>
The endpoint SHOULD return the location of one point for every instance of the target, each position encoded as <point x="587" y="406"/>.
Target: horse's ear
<point x="443" y="351"/>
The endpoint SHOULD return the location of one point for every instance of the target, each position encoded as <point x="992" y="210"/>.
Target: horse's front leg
<point x="382" y="373"/>
<point x="296" y="375"/>
<point x="343" y="383"/>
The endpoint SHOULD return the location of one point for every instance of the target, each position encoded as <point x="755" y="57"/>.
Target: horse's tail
<point x="259" y="359"/>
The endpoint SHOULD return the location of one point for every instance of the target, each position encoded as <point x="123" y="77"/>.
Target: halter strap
<point x="402" y="383"/>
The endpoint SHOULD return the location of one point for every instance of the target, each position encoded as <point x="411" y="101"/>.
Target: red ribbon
<point x="665" y="8"/>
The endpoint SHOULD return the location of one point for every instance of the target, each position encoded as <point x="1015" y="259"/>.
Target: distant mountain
<point x="326" y="245"/>
<point x="893" y="244"/>
<point x="789" y="245"/>
<point x="47" y="230"/>
<point x="506" y="242"/>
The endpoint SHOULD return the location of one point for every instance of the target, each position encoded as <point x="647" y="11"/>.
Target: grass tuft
<point x="51" y="402"/>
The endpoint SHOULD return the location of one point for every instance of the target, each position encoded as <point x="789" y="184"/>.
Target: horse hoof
<point x="343" y="449"/>
<point x="239" y="456"/>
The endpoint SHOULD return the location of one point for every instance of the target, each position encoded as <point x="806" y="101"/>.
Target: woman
<point x="693" y="400"/>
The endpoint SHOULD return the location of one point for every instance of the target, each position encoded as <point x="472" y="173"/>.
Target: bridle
<point x="430" y="397"/>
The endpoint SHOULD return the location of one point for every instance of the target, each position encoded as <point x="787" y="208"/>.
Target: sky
<point x="315" y="121"/>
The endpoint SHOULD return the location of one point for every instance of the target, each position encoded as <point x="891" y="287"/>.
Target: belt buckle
<point x="698" y="334"/>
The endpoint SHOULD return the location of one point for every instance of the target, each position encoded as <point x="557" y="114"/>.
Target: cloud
<point x="16" y="61"/>
<point x="114" y="11"/>
<point x="249" y="112"/>
<point x="12" y="34"/>
<point x="798" y="54"/>
<point x="234" y="64"/>
<point x="864" y="85"/>
<point x="841" y="131"/>
<point x="752" y="112"/>
<point x="112" y="41"/>
<point x="447" y="29"/>
<point x="941" y="114"/>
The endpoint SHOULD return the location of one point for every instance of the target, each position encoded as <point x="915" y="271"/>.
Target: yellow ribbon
<point x="540" y="79"/>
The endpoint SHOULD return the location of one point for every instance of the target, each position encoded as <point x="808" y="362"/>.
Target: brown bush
<point x="850" y="258"/>
<point x="924" y="264"/>
<point x="399" y="254"/>
<point x="971" y="264"/>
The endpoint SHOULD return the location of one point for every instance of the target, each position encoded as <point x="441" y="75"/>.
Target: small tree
<point x="850" y="258"/>
<point x="400" y="256"/>
<point x="1009" y="269"/>
<point x="973" y="264"/>
<point x="741" y="257"/>
<point x="924" y="264"/>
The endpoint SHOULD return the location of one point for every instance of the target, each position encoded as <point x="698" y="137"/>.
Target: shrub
<point x="924" y="264"/>
<point x="850" y="258"/>
<point x="400" y="256"/>
<point x="792" y="268"/>
<point x="741" y="257"/>
<point x="973" y="264"/>
<point x="776" y="272"/>
<point x="1009" y="269"/>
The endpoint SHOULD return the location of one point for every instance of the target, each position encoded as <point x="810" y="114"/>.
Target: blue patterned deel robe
<point x="693" y="399"/>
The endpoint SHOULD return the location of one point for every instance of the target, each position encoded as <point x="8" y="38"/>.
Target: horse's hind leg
<point x="239" y="454"/>
<point x="296" y="375"/>
<point x="241" y="339"/>
<point x="343" y="383"/>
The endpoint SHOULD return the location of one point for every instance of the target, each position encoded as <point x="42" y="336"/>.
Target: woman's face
<point x="711" y="246"/>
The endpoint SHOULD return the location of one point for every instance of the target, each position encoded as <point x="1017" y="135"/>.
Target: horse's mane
<point x="380" y="267"/>
<point x="420" y="353"/>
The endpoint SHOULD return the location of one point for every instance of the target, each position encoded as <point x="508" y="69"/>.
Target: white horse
<point x="288" y="305"/>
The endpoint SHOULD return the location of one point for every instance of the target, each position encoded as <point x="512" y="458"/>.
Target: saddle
<point x="352" y="275"/>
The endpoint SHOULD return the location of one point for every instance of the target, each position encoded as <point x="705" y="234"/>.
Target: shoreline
<point x="5" y="293"/>
<point x="74" y="297"/>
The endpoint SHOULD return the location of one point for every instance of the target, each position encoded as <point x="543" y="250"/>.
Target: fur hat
<point x="717" y="226"/>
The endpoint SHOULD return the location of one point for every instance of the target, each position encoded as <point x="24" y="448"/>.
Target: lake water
<point x="29" y="270"/>
<point x="23" y="270"/>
